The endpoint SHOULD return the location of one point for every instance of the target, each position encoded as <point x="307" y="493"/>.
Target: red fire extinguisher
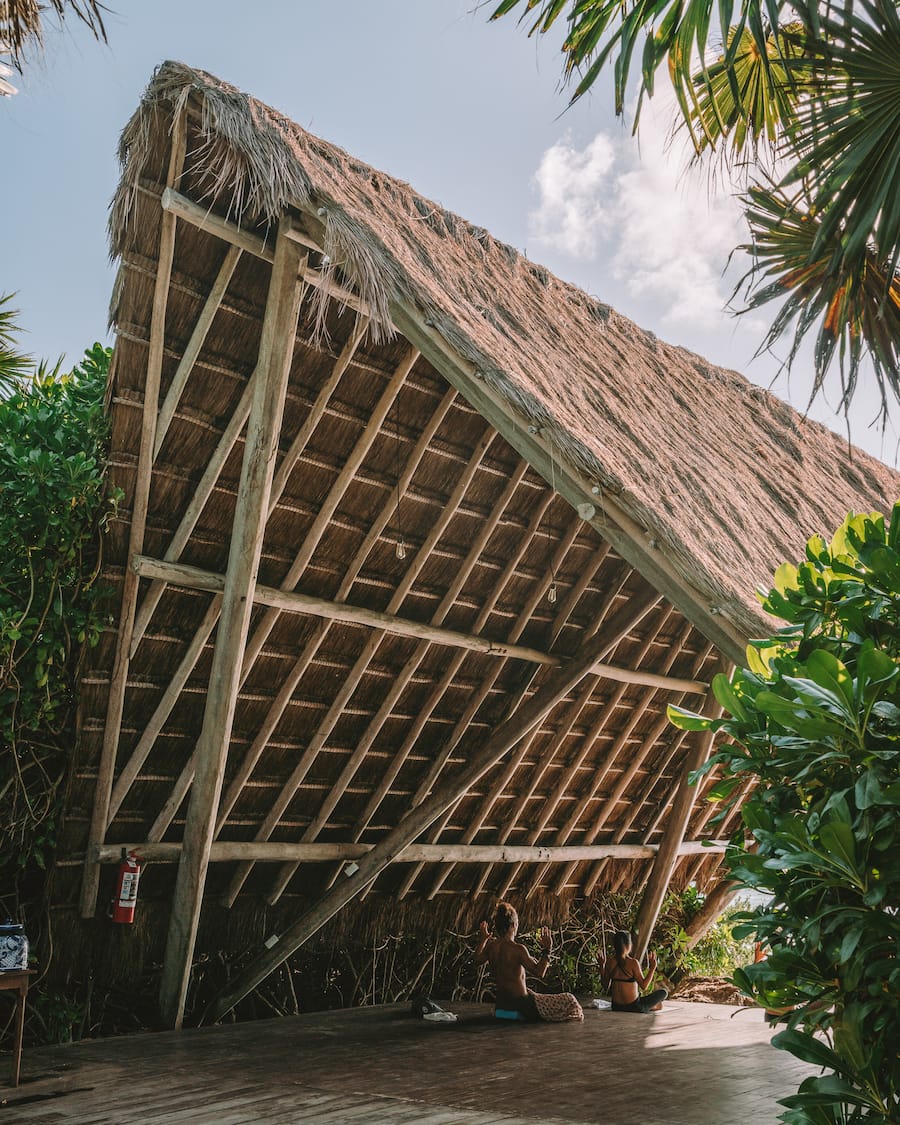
<point x="127" y="879"/>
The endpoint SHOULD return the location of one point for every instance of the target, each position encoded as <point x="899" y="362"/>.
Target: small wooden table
<point x="17" y="980"/>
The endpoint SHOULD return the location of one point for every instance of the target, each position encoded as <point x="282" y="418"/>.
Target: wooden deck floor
<point x="692" y="1064"/>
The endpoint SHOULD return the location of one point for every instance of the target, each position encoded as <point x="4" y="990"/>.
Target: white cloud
<point x="663" y="233"/>
<point x="574" y="215"/>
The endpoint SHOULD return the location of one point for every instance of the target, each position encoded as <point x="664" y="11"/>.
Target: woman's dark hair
<point x="505" y="918"/>
<point x="621" y="945"/>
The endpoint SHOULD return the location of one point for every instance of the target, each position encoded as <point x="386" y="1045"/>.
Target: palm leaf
<point x="853" y="306"/>
<point x="15" y="366"/>
<point x="675" y="32"/>
<point x="22" y="21"/>
<point x="848" y="134"/>
<point x="748" y="98"/>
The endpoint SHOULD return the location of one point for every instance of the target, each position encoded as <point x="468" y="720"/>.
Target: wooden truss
<point x="561" y="713"/>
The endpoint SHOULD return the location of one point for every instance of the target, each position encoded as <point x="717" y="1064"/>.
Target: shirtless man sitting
<point x="510" y="961"/>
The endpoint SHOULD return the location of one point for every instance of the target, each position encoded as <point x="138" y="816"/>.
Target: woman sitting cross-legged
<point x="510" y="960"/>
<point x="623" y="979"/>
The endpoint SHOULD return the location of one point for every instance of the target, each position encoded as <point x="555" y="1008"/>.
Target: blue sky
<point x="468" y="112"/>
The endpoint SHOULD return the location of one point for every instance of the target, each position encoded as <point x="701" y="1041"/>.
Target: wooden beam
<point x="411" y="665"/>
<point x="611" y="519"/>
<point x="194" y="345"/>
<point x="290" y="601"/>
<point x="714" y="905"/>
<point x="194" y="509"/>
<point x="175" y="203"/>
<point x="609" y="761"/>
<point x="213" y="470"/>
<point x="515" y="698"/>
<point x="228" y="851"/>
<point x="274" y="361"/>
<point x="312" y="645"/>
<point x="139" y="507"/>
<point x="558" y="684"/>
<point x="508" y="773"/>
<point x="569" y="773"/>
<point x="369" y="650"/>
<point x="673" y="835"/>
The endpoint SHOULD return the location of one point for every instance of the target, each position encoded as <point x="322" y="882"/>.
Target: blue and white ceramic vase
<point x="13" y="947"/>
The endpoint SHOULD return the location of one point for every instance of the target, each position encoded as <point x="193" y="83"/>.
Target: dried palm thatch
<point x="484" y="483"/>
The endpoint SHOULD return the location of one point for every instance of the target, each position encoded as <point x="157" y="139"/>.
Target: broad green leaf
<point x="727" y="697"/>
<point x="867" y="791"/>
<point x="838" y="839"/>
<point x="808" y="1048"/>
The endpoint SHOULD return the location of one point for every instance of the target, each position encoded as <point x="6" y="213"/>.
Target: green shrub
<point x="53" y="435"/>
<point x="815" y="720"/>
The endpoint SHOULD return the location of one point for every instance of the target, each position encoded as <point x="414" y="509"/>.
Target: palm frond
<point x="751" y="100"/>
<point x="22" y="21"/>
<point x="15" y="365"/>
<point x="646" y="34"/>
<point x="853" y="306"/>
<point x="848" y="132"/>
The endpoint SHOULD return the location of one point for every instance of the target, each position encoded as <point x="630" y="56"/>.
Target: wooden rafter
<point x="159" y="583"/>
<point x="139" y="508"/>
<point x="313" y="643"/>
<point x="515" y="759"/>
<point x="568" y="774"/>
<point x="195" y="345"/>
<point x="263" y="425"/>
<point x="229" y="438"/>
<point x="559" y="683"/>
<point x="360" y="666"/>
<point x="636" y="761"/>
<point x="412" y="664"/>
<point x="478" y="697"/>
<point x="351" y="680"/>
<point x="454" y="663"/>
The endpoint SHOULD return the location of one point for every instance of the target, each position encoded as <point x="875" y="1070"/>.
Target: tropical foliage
<point x="53" y="435"/>
<point x="22" y="21"/>
<point x="806" y="94"/>
<point x="815" y="719"/>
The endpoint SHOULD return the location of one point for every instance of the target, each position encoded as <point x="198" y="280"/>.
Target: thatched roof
<point x="534" y="471"/>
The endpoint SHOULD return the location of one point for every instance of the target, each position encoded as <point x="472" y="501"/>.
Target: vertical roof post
<point x="673" y="837"/>
<point x="276" y="350"/>
<point x="139" y="507"/>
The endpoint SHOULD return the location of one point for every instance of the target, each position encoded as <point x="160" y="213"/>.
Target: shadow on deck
<point x="692" y="1064"/>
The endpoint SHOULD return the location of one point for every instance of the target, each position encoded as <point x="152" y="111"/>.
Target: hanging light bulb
<point x="401" y="548"/>
<point x="551" y="593"/>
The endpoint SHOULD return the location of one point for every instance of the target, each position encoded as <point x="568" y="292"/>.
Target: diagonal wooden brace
<point x="558" y="685"/>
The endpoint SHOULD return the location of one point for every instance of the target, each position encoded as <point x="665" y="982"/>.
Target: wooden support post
<point x="673" y="836"/>
<point x="559" y="683"/>
<point x="139" y="507"/>
<point x="716" y="902"/>
<point x="263" y="426"/>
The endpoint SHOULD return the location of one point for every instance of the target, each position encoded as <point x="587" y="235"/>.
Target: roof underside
<point x="394" y="494"/>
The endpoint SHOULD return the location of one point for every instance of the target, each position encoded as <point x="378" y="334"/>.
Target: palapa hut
<point x="417" y="542"/>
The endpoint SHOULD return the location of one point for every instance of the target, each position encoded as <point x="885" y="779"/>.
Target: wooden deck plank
<point x="708" y="1065"/>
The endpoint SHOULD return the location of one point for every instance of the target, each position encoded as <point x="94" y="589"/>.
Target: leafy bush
<point x="53" y="435"/>
<point x="816" y="720"/>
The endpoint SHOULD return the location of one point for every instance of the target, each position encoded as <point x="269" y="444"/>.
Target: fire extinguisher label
<point x="129" y="888"/>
